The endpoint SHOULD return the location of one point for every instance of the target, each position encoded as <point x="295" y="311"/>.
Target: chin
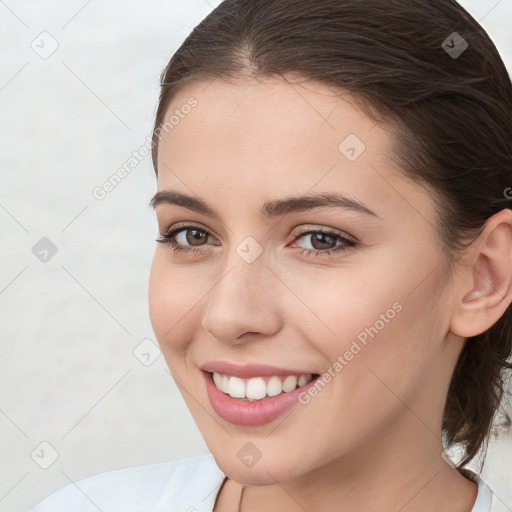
<point x="262" y="473"/>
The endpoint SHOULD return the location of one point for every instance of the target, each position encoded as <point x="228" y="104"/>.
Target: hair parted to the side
<point x="451" y="119"/>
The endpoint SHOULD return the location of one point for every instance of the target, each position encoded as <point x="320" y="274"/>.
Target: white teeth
<point x="225" y="384"/>
<point x="302" y="380"/>
<point x="236" y="387"/>
<point x="256" y="388"/>
<point x="219" y="380"/>
<point x="274" y="386"/>
<point x="290" y="383"/>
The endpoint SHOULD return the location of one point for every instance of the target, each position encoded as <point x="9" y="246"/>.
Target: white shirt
<point x="183" y="485"/>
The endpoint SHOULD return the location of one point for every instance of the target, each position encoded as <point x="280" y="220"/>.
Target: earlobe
<point x="489" y="278"/>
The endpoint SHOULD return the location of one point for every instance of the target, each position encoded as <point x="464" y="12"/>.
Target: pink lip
<point x="257" y="412"/>
<point x="246" y="371"/>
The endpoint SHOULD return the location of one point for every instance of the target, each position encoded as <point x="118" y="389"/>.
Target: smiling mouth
<point x="258" y="388"/>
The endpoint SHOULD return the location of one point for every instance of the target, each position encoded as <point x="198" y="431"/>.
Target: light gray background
<point x="69" y="326"/>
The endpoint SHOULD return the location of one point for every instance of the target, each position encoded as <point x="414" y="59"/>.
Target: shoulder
<point x="486" y="500"/>
<point x="187" y="485"/>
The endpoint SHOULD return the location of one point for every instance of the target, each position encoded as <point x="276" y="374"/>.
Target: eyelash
<point x="166" y="238"/>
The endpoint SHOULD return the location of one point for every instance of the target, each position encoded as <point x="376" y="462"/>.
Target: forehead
<point x="259" y="120"/>
<point x="276" y="139"/>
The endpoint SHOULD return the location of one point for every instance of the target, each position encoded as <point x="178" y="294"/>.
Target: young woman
<point x="332" y="281"/>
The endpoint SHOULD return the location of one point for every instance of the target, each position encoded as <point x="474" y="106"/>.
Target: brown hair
<point x="450" y="106"/>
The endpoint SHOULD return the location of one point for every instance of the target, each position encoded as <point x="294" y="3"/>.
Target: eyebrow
<point x="270" y="209"/>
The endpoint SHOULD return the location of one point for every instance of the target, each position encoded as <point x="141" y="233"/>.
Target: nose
<point x="243" y="300"/>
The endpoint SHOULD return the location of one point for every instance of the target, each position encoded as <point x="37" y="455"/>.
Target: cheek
<point x="367" y="320"/>
<point x="176" y="297"/>
<point x="337" y="306"/>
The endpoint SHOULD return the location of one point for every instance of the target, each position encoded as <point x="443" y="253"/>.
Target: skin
<point x="371" y="439"/>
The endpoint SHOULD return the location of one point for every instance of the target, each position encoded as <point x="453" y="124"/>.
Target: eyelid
<point x="315" y="228"/>
<point x="189" y="225"/>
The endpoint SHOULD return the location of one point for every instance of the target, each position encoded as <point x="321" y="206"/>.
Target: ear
<point x="483" y="301"/>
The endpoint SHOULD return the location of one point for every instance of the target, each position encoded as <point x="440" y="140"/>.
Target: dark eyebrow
<point x="270" y="209"/>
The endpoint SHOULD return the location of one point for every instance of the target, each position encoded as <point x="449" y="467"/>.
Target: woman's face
<point x="373" y="313"/>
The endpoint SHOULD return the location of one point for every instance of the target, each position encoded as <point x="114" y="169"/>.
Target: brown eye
<point x="196" y="236"/>
<point x="323" y="243"/>
<point x="185" y="238"/>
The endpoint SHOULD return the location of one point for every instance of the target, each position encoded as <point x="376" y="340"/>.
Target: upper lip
<point x="246" y="371"/>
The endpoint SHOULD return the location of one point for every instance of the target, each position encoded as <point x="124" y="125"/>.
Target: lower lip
<point x="257" y="412"/>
